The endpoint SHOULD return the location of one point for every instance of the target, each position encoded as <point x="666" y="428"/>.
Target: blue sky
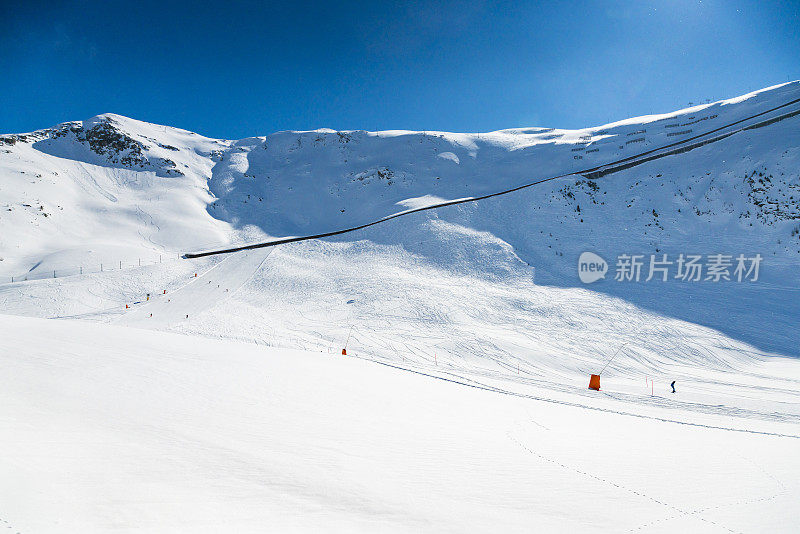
<point x="238" y="69"/>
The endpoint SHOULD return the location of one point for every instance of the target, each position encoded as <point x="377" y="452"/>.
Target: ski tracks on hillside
<point x="147" y="218"/>
<point x="203" y="292"/>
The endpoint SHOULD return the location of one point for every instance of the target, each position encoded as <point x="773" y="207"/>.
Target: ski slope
<point x="69" y="201"/>
<point x="106" y="428"/>
<point x="222" y="401"/>
<point x="202" y="292"/>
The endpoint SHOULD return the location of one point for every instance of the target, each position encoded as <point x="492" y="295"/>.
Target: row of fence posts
<point x="24" y="278"/>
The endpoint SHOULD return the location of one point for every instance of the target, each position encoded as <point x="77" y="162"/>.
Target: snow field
<point x="107" y="429"/>
<point x="462" y="404"/>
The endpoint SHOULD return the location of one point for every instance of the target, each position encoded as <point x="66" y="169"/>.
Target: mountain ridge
<point x="110" y="190"/>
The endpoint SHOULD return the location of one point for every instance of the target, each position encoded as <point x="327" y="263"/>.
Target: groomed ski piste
<point x="211" y="394"/>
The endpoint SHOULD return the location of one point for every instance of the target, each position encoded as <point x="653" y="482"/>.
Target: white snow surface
<point x="160" y="394"/>
<point x="107" y="428"/>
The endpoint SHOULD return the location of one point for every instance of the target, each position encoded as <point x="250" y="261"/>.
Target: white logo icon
<point x="591" y="267"/>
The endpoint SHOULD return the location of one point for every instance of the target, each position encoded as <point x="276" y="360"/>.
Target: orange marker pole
<point x="344" y="350"/>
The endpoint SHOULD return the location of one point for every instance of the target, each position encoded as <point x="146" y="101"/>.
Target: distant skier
<point x="673" y="386"/>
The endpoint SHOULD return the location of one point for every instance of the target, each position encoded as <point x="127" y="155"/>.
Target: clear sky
<point x="237" y="69"/>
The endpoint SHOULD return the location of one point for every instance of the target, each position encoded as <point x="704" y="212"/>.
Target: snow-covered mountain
<point x="209" y="435"/>
<point x="304" y="182"/>
<point x="119" y="192"/>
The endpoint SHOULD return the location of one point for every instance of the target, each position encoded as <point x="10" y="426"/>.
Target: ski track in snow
<point x="204" y="291"/>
